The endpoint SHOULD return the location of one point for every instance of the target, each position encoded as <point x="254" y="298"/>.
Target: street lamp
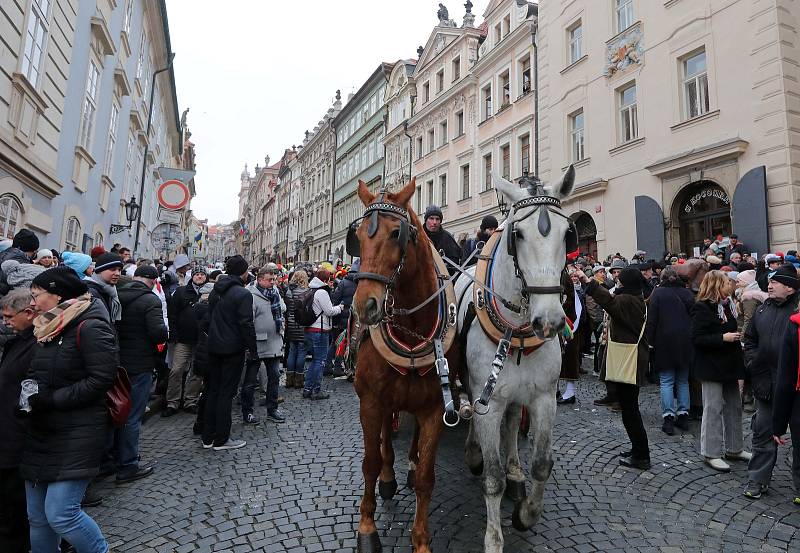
<point x="132" y="210"/>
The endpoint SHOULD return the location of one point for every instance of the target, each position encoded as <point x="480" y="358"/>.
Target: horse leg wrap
<point x="369" y="543"/>
<point x="443" y="370"/>
<point x="497" y="366"/>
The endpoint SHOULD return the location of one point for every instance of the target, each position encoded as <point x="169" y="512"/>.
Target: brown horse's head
<point x="692" y="272"/>
<point x="382" y="252"/>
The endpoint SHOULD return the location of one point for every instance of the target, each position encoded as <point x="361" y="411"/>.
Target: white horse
<point x="540" y="257"/>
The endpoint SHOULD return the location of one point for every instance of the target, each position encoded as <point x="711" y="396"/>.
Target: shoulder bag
<point x="118" y="397"/>
<point x="622" y="359"/>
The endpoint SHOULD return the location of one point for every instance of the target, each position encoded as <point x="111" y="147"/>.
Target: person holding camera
<point x="719" y="365"/>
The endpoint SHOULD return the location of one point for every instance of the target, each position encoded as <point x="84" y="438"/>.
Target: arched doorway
<point x="587" y="233"/>
<point x="704" y="211"/>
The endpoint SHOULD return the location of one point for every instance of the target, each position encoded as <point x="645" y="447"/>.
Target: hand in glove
<point x="42" y="401"/>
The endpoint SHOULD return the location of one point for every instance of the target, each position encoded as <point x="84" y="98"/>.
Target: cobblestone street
<point x="296" y="487"/>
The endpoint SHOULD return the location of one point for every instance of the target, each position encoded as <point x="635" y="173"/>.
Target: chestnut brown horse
<point x="692" y="271"/>
<point x="398" y="261"/>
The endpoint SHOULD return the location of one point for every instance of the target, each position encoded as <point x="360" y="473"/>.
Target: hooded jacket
<point x="17" y="255"/>
<point x="268" y="335"/>
<point x="322" y="305"/>
<point x="231" y="329"/>
<point x="68" y="440"/>
<point x="444" y="241"/>
<point x="141" y="328"/>
<point x="14" y="367"/>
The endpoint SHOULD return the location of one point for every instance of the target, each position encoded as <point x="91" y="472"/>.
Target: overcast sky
<point x="257" y="73"/>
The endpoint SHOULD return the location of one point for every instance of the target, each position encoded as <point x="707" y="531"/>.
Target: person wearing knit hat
<point x="442" y="240"/>
<point x="78" y="262"/>
<point x="488" y="227"/>
<point x="44" y="258"/>
<point x="26" y="241"/>
<point x="96" y="252"/>
<point x="103" y="283"/>
<point x="20" y="275"/>
<point x="236" y="265"/>
<point x="60" y="281"/>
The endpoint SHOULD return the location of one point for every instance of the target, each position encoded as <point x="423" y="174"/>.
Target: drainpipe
<point x="410" y="146"/>
<point x="534" y="27"/>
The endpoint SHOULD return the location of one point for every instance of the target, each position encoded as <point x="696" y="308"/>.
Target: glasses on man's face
<point x="9" y="317"/>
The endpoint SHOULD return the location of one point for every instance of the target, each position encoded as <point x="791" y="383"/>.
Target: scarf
<point x="275" y="303"/>
<point x="731" y="305"/>
<point x="50" y="324"/>
<point x="113" y="299"/>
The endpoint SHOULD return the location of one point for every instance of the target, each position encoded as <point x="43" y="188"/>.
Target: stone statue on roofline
<point x="444" y="17"/>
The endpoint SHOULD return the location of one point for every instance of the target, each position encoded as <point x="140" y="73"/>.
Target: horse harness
<point x="430" y="351"/>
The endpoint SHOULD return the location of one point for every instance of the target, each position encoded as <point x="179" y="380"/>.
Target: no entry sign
<point x="173" y="194"/>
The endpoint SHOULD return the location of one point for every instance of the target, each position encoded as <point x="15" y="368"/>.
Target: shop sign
<point x="707" y="193"/>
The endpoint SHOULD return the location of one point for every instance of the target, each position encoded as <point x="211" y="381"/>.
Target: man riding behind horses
<point x="442" y="240"/>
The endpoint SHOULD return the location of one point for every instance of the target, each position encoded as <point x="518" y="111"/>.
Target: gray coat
<point x="268" y="338"/>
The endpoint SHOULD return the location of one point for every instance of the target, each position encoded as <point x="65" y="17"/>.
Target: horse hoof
<point x="387" y="489"/>
<point x="516" y="519"/>
<point x="411" y="479"/>
<point x="476" y="470"/>
<point x="515" y="490"/>
<point x="369" y="543"/>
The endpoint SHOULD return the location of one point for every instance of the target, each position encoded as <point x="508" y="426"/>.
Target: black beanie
<point x="631" y="280"/>
<point x="786" y="275"/>
<point x="489" y="222"/>
<point x="433" y="211"/>
<point x="107" y="261"/>
<point x="236" y="265"/>
<point x="26" y="241"/>
<point x="61" y="281"/>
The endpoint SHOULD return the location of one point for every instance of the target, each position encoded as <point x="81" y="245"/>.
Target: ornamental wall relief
<point x="624" y="50"/>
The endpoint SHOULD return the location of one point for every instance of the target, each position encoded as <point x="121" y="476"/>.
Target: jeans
<point x="632" y="419"/>
<point x="319" y="351"/>
<point x="765" y="450"/>
<point x="221" y="381"/>
<point x="54" y="512"/>
<point x="296" y="360"/>
<point x="182" y="363"/>
<point x="670" y="379"/>
<point x="14" y="530"/>
<point x="128" y="436"/>
<point x="721" y="428"/>
<point x="251" y="381"/>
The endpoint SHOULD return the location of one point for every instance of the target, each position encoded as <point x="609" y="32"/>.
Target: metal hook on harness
<point x="481" y="405"/>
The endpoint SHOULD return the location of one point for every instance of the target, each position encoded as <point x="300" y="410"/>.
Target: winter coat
<point x="787" y="377"/>
<point x="344" y="294"/>
<point x="97" y="292"/>
<point x="182" y="322"/>
<point x="20" y="274"/>
<point x="201" y="361"/>
<point x="268" y="336"/>
<point x="471" y="245"/>
<point x="714" y="359"/>
<point x="750" y="302"/>
<point x="68" y="440"/>
<point x="294" y="331"/>
<point x="231" y="330"/>
<point x="444" y="241"/>
<point x="762" y="343"/>
<point x="13" y="370"/>
<point x="17" y="255"/>
<point x="571" y="354"/>
<point x="141" y="328"/>
<point x="627" y="315"/>
<point x="669" y="328"/>
<point x="323" y="307"/>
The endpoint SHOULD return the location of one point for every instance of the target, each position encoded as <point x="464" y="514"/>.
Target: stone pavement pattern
<point x="296" y="488"/>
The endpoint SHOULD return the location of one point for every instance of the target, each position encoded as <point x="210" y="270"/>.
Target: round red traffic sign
<point x="173" y="194"/>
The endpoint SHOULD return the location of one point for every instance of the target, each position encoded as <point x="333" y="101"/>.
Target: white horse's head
<point x="540" y="250"/>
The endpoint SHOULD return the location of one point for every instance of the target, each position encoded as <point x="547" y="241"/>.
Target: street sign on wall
<point x="173" y="194"/>
<point x="167" y="237"/>
<point x="169" y="216"/>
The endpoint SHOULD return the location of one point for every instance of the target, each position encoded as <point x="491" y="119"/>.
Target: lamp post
<point x="132" y="211"/>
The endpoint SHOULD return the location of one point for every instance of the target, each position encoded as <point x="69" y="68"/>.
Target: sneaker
<point x="755" y="490"/>
<point x="718" y="464"/>
<point x="250" y="418"/>
<point x="208" y="446"/>
<point x="141" y="472"/>
<point x="634" y="463"/>
<point x="682" y="421"/>
<point x="230" y="444"/>
<point x="741" y="456"/>
<point x="669" y="425"/>
<point x="276" y="416"/>
<point x="168" y="412"/>
<point x="320" y="395"/>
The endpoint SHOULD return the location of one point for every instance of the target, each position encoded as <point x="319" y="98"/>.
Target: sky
<point x="255" y="74"/>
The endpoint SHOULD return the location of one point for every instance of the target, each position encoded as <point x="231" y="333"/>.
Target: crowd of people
<point x="721" y="338"/>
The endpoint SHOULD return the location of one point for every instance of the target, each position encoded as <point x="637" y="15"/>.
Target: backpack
<point x="304" y="308"/>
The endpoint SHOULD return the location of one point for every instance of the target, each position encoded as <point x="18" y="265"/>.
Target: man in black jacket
<point x="487" y="229"/>
<point x="183" y="338"/>
<point x="23" y="247"/>
<point x="17" y="316"/>
<point x="103" y="283"/>
<point x="231" y="332"/>
<point x="763" y="340"/>
<point x="442" y="240"/>
<point x="140" y="331"/>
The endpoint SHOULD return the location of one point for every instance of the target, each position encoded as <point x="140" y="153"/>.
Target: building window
<point x="487" y="172"/>
<point x="371" y="151"/>
<point x="431" y="142"/>
<point x="486" y="94"/>
<point x="443" y="190"/>
<point x="525" y="153"/>
<point x="112" y="138"/>
<point x="525" y="72"/>
<point x="35" y="38"/>
<point x="431" y="199"/>
<point x="505" y="88"/>
<point x="10" y="209"/>
<point x="624" y="14"/>
<point x="440" y="81"/>
<point x="98" y="239"/>
<point x="628" y="114"/>
<point x="577" y="136"/>
<point x="418" y="147"/>
<point x="505" y="155"/>
<point x="126" y="25"/>
<point x="419" y="198"/>
<point x="456" y="69"/>
<point x="426" y="92"/>
<point x="695" y="85"/>
<point x="140" y="61"/>
<point x="506" y="25"/>
<point x="575" y="42"/>
<point x="443" y="133"/>
<point x="464" y="181"/>
<point x="498" y="33"/>
<point x="459" y="123"/>
<point x="89" y="107"/>
<point x="73" y="234"/>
